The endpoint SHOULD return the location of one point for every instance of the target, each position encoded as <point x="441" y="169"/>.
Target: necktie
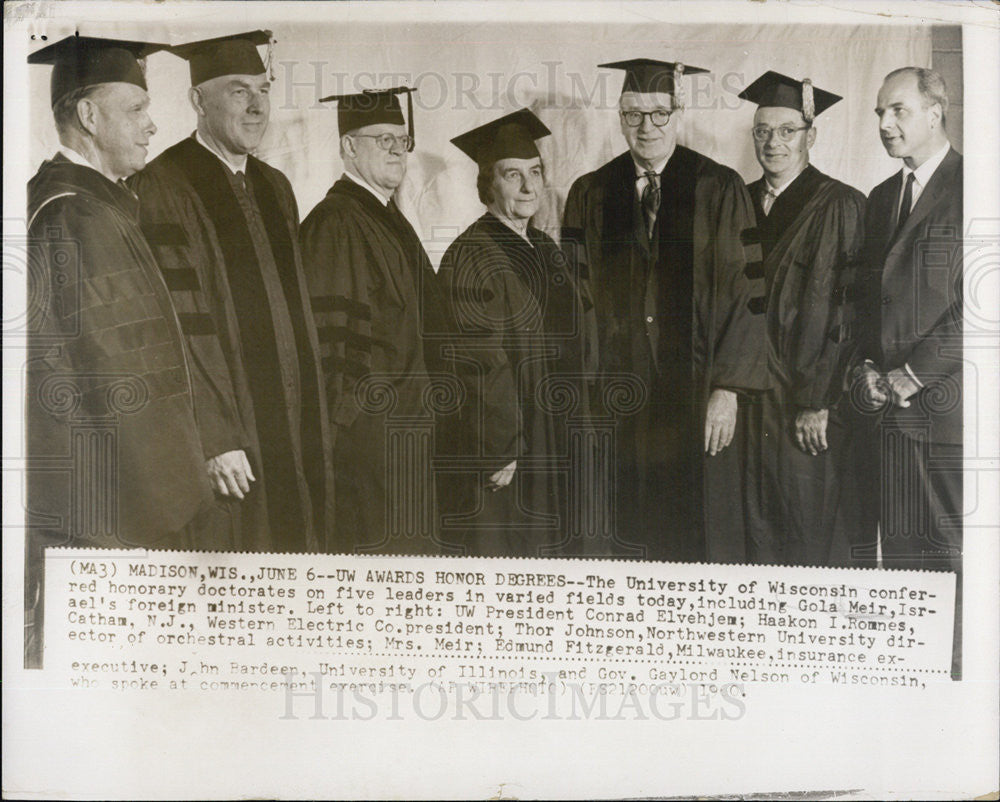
<point x="241" y="179"/>
<point x="768" y="200"/>
<point x="651" y="198"/>
<point x="904" y="207"/>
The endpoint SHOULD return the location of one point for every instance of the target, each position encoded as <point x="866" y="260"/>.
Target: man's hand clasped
<point x="230" y="474"/>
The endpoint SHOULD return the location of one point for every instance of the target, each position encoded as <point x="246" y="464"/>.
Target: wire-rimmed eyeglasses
<point x="762" y="133"/>
<point x="389" y="141"/>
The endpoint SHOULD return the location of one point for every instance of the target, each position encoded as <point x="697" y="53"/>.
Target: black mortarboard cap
<point x="650" y="75"/>
<point x="372" y="107"/>
<point x="235" y="54"/>
<point x="510" y="137"/>
<point x="775" y="89"/>
<point x="79" y="61"/>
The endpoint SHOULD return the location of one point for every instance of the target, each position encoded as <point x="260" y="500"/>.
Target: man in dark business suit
<point x="910" y="361"/>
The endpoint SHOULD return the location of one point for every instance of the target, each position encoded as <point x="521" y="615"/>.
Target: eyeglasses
<point x="762" y="133"/>
<point x="388" y="141"/>
<point x="659" y="117"/>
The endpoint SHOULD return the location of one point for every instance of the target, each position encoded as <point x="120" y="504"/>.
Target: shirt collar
<point x="82" y="161"/>
<point x="776" y="191"/>
<point x="924" y="172"/>
<point x="508" y="225"/>
<point x="362" y="183"/>
<point x="657" y="168"/>
<point x="238" y="168"/>
<point x="76" y="158"/>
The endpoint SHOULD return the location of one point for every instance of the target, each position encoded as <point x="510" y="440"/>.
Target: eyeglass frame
<point x="669" y="112"/>
<point x="771" y="131"/>
<point x="396" y="140"/>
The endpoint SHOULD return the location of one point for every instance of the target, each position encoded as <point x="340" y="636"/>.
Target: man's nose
<point x="150" y="127"/>
<point x="647" y="123"/>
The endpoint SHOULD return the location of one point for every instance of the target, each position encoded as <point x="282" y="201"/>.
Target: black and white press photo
<point x="626" y="365"/>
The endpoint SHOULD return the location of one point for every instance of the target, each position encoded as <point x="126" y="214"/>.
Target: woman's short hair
<point x="484" y="181"/>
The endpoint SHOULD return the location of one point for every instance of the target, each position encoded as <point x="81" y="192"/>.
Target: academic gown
<point x="230" y="258"/>
<point x="521" y="342"/>
<point x="373" y="292"/>
<point x="114" y="457"/>
<point x="801" y="508"/>
<point x="682" y="311"/>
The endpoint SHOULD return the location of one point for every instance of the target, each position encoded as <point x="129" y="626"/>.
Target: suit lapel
<point x="938" y="185"/>
<point x="886" y="216"/>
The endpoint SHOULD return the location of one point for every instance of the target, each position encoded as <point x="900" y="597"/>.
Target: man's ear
<point x="936" y="113"/>
<point x="87" y="113"/>
<point x="196" y="100"/>
<point x="347" y="146"/>
<point x="811" y="137"/>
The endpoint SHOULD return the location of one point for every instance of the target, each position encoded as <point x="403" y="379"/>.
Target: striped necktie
<point x="650" y="198"/>
<point x="768" y="200"/>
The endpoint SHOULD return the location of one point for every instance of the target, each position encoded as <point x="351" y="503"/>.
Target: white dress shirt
<point x="76" y="158"/>
<point x="83" y="161"/>
<point x="241" y="162"/>
<point x="777" y="190"/>
<point x="920" y="177"/>
<point x="641" y="171"/>
<point x="362" y="183"/>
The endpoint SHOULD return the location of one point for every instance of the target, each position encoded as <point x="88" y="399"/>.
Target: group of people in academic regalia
<point x="699" y="370"/>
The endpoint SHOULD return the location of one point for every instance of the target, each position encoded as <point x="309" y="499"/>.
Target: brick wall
<point x="946" y="58"/>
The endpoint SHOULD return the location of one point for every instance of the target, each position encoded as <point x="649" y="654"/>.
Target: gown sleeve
<point x="335" y="257"/>
<point x="173" y="223"/>
<point x="483" y="299"/>
<point x="734" y="352"/>
<point x="813" y="311"/>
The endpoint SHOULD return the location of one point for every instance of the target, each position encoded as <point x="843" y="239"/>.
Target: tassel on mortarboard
<point x="678" y="91"/>
<point x="372" y="107"/>
<point x="269" y="61"/>
<point x="808" y="101"/>
<point x="772" y="89"/>
<point x="650" y="75"/>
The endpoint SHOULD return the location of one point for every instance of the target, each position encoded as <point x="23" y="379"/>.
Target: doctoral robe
<point x="371" y="284"/>
<point x="113" y="453"/>
<point x="523" y="343"/>
<point x="801" y="508"/>
<point x="229" y="253"/>
<point x="681" y="310"/>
